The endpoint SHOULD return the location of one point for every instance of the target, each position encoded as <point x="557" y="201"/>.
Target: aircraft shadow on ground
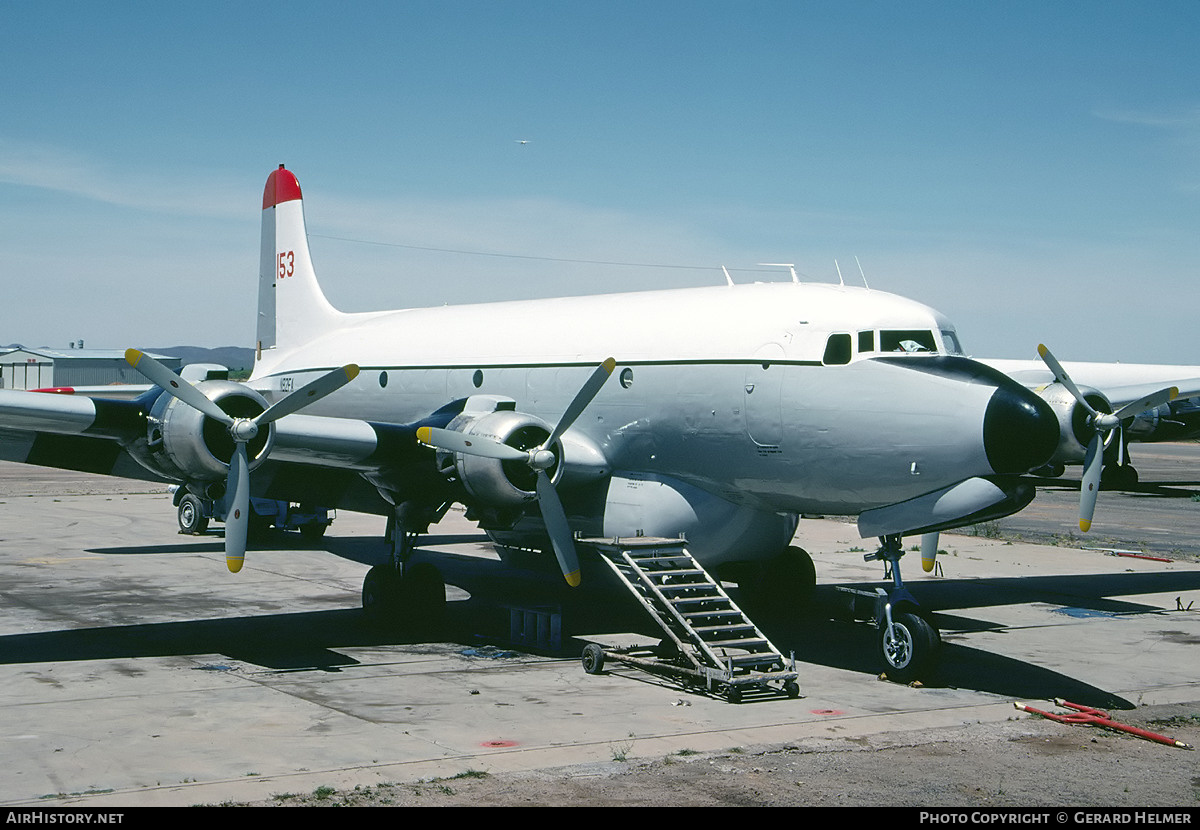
<point x="1169" y="489"/>
<point x="312" y="640"/>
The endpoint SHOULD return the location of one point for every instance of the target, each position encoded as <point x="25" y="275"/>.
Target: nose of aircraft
<point x="1020" y="430"/>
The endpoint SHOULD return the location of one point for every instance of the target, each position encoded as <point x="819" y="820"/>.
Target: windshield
<point x="909" y="341"/>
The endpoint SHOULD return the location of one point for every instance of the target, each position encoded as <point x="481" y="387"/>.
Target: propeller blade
<point x="237" y="509"/>
<point x="1060" y="375"/>
<point x="929" y="544"/>
<point x="582" y="398"/>
<point x="560" y="531"/>
<point x="448" y="439"/>
<point x="171" y="383"/>
<point x="1093" y="466"/>
<point x="1151" y="401"/>
<point x="309" y="393"/>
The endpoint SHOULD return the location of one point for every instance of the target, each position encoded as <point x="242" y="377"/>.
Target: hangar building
<point x="22" y="368"/>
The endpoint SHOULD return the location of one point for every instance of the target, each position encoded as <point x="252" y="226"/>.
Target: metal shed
<point x="24" y="368"/>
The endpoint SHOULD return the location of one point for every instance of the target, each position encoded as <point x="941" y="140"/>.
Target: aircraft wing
<point x="314" y="459"/>
<point x="1121" y="383"/>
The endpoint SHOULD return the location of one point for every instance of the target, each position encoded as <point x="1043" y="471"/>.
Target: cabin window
<point x="866" y="341"/>
<point x="909" y="341"/>
<point x="837" y="350"/>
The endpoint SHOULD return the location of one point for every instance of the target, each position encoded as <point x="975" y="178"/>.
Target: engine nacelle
<point x="184" y="444"/>
<point x="1074" y="431"/>
<point x="495" y="483"/>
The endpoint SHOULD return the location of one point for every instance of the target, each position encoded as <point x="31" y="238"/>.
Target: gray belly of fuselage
<point x="787" y="437"/>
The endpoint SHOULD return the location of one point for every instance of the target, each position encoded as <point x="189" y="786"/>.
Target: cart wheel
<point x="593" y="659"/>
<point x="792" y="689"/>
<point x="734" y="695"/>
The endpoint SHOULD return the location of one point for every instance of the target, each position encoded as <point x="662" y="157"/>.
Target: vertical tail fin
<point x="291" y="306"/>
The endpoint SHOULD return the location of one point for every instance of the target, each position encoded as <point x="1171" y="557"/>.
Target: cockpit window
<point x="837" y="350"/>
<point x="950" y="341"/>
<point x="909" y="341"/>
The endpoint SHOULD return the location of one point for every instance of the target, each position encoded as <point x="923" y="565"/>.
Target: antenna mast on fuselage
<point x="788" y="265"/>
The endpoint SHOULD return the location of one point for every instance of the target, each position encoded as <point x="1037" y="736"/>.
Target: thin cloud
<point x="60" y="170"/>
<point x="1182" y="119"/>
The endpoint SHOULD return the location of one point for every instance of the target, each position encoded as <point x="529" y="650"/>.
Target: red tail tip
<point x="281" y="187"/>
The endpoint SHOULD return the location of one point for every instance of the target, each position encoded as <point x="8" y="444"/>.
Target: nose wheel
<point x="908" y="642"/>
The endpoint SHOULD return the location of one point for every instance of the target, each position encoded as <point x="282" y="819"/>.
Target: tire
<point x="381" y="600"/>
<point x="782" y="585"/>
<point x="192" y="521"/>
<point x="423" y="595"/>
<point x="913" y="652"/>
<point x="593" y="659"/>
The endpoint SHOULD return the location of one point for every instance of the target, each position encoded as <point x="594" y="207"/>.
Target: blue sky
<point x="1031" y="169"/>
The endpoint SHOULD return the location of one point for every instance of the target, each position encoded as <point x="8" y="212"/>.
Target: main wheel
<point x="781" y="585"/>
<point x="381" y="595"/>
<point x="192" y="520"/>
<point x="911" y="650"/>
<point x="424" y="595"/>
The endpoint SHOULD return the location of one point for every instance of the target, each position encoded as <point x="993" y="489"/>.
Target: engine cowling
<point x="492" y="482"/>
<point x="1074" y="430"/>
<point x="184" y="444"/>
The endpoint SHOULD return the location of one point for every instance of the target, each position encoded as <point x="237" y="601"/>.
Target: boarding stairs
<point x="709" y="640"/>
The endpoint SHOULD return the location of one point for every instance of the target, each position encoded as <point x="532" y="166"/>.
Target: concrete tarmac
<point x="134" y="670"/>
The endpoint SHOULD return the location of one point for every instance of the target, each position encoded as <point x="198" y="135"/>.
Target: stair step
<point x="707" y="629"/>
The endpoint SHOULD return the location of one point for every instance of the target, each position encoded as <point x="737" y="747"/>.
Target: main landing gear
<point x="908" y="641"/>
<point x="400" y="591"/>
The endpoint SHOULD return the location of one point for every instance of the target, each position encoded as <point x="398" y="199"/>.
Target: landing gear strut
<point x="908" y="641"/>
<point x="401" y="591"/>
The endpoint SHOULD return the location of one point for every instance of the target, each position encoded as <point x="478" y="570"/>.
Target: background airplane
<point x="734" y="410"/>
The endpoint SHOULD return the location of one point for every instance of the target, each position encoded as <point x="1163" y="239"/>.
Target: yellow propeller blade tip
<point x="609" y="365"/>
<point x="573" y="579"/>
<point x="424" y="434"/>
<point x="927" y="565"/>
<point x="132" y="356"/>
<point x="351" y="371"/>
<point x="234" y="565"/>
<point x="1085" y="525"/>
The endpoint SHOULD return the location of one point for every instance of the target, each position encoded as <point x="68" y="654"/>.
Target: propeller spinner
<point x="1102" y="424"/>
<point x="242" y="431"/>
<point x="540" y="459"/>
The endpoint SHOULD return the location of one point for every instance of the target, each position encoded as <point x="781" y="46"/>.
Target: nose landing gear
<point x="908" y="641"/>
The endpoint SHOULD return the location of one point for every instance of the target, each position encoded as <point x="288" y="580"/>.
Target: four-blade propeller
<point x="1102" y="423"/>
<point x="540" y="459"/>
<point x="242" y="431"/>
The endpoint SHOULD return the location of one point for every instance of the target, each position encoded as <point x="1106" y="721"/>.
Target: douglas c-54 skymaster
<point x="734" y="409"/>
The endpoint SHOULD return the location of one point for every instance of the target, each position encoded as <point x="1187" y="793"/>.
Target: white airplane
<point x="1091" y="392"/>
<point x="735" y="409"/>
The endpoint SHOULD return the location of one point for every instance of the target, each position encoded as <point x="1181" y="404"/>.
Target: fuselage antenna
<point x="728" y="279"/>
<point x="788" y="265"/>
<point x="860" y="271"/>
<point x="841" y="282"/>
